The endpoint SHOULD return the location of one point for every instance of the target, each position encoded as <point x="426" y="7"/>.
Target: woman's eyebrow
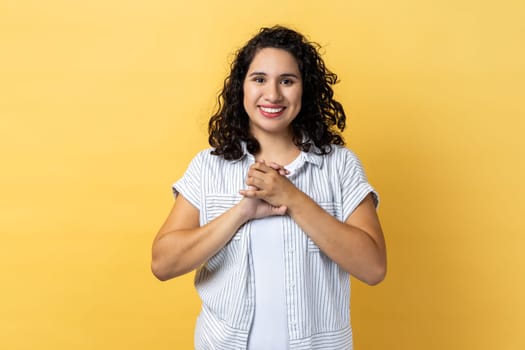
<point x="280" y="75"/>
<point x="292" y="75"/>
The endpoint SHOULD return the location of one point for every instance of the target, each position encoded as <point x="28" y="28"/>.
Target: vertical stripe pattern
<point x="317" y="290"/>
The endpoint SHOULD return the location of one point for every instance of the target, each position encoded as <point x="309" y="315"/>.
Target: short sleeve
<point x="355" y="186"/>
<point x="190" y="183"/>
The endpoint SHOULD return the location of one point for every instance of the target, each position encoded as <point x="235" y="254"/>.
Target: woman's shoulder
<point x="206" y="157"/>
<point x="204" y="153"/>
<point x="342" y="160"/>
<point x="341" y="153"/>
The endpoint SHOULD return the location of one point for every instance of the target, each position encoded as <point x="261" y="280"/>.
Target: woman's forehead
<point x="273" y="60"/>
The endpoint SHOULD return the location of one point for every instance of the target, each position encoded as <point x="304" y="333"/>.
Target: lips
<point x="271" y="111"/>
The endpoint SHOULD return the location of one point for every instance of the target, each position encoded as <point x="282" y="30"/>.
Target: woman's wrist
<point x="241" y="213"/>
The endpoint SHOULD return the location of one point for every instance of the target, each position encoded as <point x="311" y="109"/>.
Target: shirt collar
<point x="245" y="153"/>
<point x="312" y="157"/>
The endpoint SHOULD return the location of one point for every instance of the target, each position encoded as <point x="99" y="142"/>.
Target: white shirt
<point x="269" y="327"/>
<point x="317" y="290"/>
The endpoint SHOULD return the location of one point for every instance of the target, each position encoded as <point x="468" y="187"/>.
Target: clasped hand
<point x="267" y="191"/>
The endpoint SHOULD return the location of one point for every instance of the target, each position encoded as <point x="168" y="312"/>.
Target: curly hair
<point x="320" y="120"/>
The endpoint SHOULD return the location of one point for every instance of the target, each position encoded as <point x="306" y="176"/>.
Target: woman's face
<point x="272" y="92"/>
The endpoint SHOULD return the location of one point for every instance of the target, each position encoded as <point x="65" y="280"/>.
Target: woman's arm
<point x="357" y="245"/>
<point x="181" y="245"/>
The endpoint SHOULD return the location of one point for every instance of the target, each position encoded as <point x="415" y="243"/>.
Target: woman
<point x="277" y="214"/>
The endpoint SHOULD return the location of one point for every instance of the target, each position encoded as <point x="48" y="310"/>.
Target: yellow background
<point x="103" y="104"/>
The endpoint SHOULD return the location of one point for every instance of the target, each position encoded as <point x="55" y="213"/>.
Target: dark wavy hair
<point x="320" y="120"/>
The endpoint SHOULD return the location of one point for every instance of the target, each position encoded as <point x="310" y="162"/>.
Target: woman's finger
<point x="281" y="169"/>
<point x="255" y="182"/>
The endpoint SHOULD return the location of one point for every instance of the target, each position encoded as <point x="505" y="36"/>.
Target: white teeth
<point x="272" y="110"/>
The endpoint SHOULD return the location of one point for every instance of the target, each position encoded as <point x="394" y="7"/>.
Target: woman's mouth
<point x="271" y="112"/>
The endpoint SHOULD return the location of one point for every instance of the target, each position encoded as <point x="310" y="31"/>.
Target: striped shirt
<point x="317" y="289"/>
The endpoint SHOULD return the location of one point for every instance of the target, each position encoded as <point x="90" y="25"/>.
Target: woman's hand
<point x="254" y="208"/>
<point x="266" y="182"/>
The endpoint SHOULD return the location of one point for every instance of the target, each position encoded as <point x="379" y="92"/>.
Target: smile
<point x="271" y="110"/>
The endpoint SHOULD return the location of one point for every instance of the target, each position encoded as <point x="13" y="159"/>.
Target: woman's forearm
<point x="181" y="250"/>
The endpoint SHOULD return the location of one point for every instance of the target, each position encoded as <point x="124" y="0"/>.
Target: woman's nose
<point x="273" y="93"/>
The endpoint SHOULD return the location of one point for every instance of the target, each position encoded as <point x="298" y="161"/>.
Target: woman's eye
<point x="259" y="80"/>
<point x="287" y="82"/>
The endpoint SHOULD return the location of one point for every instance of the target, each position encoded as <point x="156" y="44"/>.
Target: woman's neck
<point x="279" y="150"/>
